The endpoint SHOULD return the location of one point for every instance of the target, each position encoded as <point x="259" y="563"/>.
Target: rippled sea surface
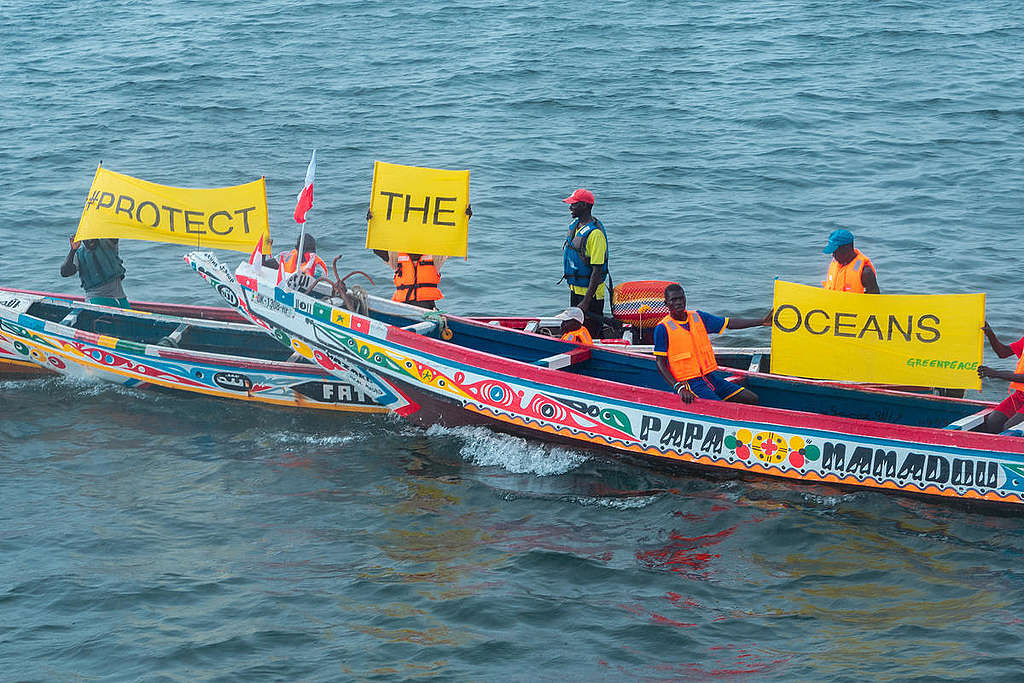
<point x="150" y="536"/>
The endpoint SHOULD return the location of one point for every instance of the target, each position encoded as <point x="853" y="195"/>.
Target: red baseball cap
<point x="580" y="195"/>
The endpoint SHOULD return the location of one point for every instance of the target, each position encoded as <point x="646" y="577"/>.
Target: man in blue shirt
<point x="684" y="354"/>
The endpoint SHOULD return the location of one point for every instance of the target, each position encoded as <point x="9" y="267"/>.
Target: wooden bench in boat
<point x="971" y="422"/>
<point x="423" y="328"/>
<point x="564" y="360"/>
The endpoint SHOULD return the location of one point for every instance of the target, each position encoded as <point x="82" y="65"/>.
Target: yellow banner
<point x="219" y="218"/>
<point x="918" y="340"/>
<point x="418" y="210"/>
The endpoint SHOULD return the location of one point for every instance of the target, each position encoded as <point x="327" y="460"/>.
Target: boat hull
<point x="90" y="356"/>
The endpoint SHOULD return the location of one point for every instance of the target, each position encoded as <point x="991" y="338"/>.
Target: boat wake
<point x="291" y="437"/>
<point x="618" y="503"/>
<point x="483" y="447"/>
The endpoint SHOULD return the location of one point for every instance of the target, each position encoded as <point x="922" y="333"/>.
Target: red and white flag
<point x="256" y="257"/>
<point x="304" y="202"/>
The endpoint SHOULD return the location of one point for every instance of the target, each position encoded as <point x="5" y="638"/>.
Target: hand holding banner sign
<point x="920" y="340"/>
<point x="418" y="210"/>
<point x="120" y="206"/>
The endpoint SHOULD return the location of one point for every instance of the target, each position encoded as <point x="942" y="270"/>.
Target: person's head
<point x="572" y="319"/>
<point x="580" y="202"/>
<point x="840" y="245"/>
<point x="308" y="243"/>
<point x="91" y="244"/>
<point x="675" y="299"/>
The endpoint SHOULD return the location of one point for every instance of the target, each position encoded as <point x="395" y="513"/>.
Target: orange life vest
<point x="689" y="350"/>
<point x="847" y="278"/>
<point x="416" y="280"/>
<point x="580" y="336"/>
<point x="1019" y="370"/>
<point x="312" y="263"/>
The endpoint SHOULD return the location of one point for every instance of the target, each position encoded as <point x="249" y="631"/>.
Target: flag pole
<point x="302" y="238"/>
<point x="307" y="187"/>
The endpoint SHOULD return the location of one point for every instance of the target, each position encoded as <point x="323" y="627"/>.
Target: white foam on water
<point x="73" y="386"/>
<point x="311" y="439"/>
<point x="486" y="448"/>
<point x="623" y="503"/>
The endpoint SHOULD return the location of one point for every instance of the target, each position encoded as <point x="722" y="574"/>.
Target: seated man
<point x="100" y="269"/>
<point x="1008" y="413"/>
<point x="685" y="357"/>
<point x="312" y="264"/>
<point x="573" y="329"/>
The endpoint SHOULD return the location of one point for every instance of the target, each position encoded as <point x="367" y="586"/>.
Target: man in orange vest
<point x="1010" y="412"/>
<point x="311" y="263"/>
<point x="417" y="276"/>
<point x="850" y="270"/>
<point x="684" y="354"/>
<point x="572" y="326"/>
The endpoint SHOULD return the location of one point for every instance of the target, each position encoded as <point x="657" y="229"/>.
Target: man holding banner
<point x="417" y="277"/>
<point x="418" y="217"/>
<point x="1010" y="412"/>
<point x="100" y="269"/>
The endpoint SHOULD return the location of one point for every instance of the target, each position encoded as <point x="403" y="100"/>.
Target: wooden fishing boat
<point x="16" y="365"/>
<point x="458" y="371"/>
<point x="199" y="349"/>
<point x="195" y="349"/>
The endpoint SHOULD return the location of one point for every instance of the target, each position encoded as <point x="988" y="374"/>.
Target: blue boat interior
<point x="181" y="333"/>
<point x="924" y="410"/>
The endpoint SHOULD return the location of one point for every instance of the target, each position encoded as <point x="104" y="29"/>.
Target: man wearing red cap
<point x="585" y="259"/>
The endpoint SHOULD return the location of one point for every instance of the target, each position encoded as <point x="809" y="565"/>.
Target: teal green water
<point x="154" y="537"/>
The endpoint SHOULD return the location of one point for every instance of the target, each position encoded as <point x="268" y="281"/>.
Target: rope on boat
<point x="358" y="300"/>
<point x="437" y="317"/>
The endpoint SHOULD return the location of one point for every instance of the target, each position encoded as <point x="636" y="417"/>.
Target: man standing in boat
<point x="100" y="269"/>
<point x="585" y="259"/>
<point x="1010" y="412"/>
<point x="417" y="276"/>
<point x="684" y="354"/>
<point x="850" y="270"/>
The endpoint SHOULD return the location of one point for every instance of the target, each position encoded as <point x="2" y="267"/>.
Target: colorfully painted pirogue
<point x="617" y="402"/>
<point x="194" y="349"/>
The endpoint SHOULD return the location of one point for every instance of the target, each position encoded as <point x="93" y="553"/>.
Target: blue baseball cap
<point x="837" y="239"/>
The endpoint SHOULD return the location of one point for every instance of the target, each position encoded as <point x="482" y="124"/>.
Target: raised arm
<point x="68" y="268"/>
<point x="1001" y="349"/>
<point x="743" y="323"/>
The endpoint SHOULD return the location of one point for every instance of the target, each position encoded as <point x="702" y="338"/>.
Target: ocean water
<point x="155" y="537"/>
